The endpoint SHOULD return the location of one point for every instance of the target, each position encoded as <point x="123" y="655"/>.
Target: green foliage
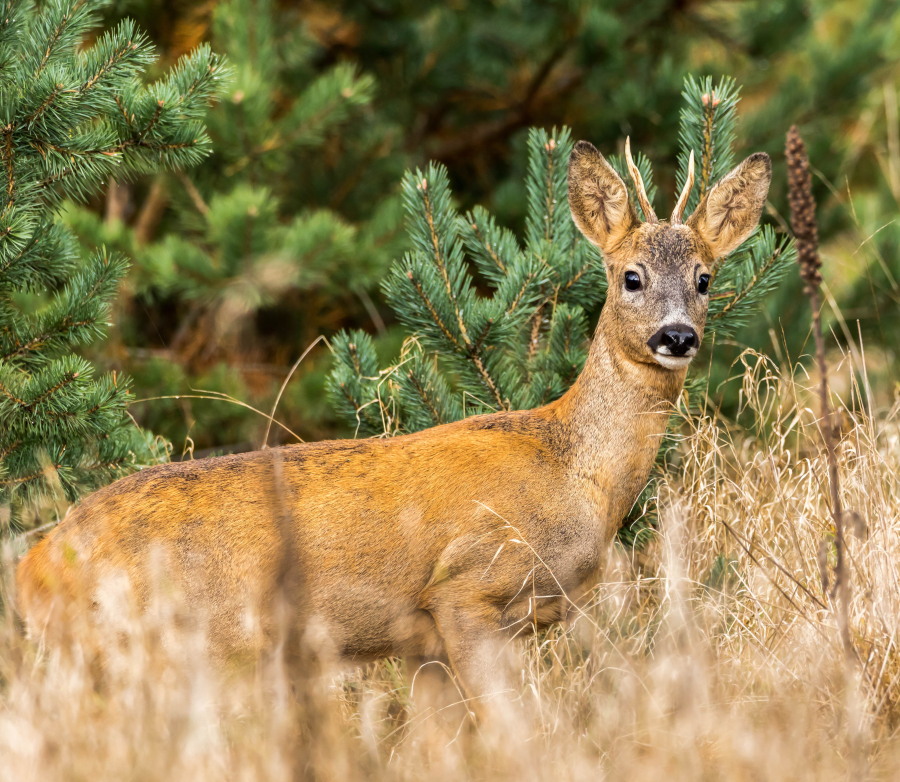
<point x="707" y="128"/>
<point x="354" y="382"/>
<point x="72" y="116"/>
<point x="519" y="345"/>
<point x="250" y="261"/>
<point x="874" y="296"/>
<point x="752" y="273"/>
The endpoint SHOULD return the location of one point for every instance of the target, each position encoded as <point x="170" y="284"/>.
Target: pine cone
<point x="803" y="210"/>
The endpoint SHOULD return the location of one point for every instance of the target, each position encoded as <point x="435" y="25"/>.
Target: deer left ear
<point x="730" y="211"/>
<point x="598" y="199"/>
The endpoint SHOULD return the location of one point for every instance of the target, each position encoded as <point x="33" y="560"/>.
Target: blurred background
<point x="285" y="233"/>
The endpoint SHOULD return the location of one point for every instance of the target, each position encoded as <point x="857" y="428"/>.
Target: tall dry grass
<point x="711" y="654"/>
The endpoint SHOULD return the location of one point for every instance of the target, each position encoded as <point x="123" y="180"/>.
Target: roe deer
<point x="445" y="542"/>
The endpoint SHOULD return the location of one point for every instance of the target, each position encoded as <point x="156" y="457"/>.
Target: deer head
<point x="659" y="271"/>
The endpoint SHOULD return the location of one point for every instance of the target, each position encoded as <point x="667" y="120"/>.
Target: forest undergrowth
<point x="710" y="653"/>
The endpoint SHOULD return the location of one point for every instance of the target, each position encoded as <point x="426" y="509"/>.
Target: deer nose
<point x="674" y="340"/>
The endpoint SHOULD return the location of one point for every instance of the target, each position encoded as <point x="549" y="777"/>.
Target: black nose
<point x="677" y="340"/>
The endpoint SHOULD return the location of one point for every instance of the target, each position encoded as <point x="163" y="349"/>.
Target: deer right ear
<point x="598" y="198"/>
<point x="730" y="211"/>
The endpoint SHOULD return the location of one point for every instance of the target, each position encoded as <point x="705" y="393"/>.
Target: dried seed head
<point x="803" y="210"/>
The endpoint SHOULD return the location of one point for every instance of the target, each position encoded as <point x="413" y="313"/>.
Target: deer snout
<point x="677" y="340"/>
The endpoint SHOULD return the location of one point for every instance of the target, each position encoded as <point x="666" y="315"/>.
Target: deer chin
<point x="672" y="362"/>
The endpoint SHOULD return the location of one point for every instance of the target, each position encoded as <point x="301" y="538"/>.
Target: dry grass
<point x="713" y="654"/>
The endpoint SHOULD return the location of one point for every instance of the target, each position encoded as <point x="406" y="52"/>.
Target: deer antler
<point x="678" y="211"/>
<point x="639" y="184"/>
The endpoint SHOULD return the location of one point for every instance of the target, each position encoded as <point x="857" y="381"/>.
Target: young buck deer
<point x="446" y="542"/>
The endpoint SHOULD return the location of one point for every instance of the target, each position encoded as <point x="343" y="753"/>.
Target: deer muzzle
<point x="675" y="345"/>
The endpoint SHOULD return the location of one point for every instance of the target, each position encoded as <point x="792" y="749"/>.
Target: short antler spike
<point x="678" y="211"/>
<point x="649" y="214"/>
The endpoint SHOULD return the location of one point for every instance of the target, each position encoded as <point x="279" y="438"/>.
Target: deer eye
<point x="632" y="281"/>
<point x="703" y="283"/>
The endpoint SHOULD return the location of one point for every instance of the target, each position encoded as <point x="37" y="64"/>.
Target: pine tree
<point x="72" y="116"/>
<point x="250" y="241"/>
<point x="523" y="343"/>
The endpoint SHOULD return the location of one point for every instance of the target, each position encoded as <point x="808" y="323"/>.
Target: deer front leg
<point x="480" y="653"/>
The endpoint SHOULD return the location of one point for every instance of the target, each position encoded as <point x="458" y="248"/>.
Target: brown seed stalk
<point x="803" y="212"/>
<point x="803" y="223"/>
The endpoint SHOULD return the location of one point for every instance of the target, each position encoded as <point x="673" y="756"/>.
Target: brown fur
<point x="441" y="542"/>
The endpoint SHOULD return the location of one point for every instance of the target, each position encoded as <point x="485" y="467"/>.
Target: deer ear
<point x="730" y="211"/>
<point x="598" y="198"/>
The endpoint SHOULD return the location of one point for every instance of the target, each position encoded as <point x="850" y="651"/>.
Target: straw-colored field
<point x="712" y="654"/>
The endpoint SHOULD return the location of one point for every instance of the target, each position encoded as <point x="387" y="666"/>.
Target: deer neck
<point x="615" y="415"/>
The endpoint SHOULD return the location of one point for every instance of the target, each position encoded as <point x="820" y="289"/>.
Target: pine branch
<point x="432" y="311"/>
<point x="440" y="260"/>
<point x="707" y="128"/>
<point x="494" y="250"/>
<point x="119" y="53"/>
<point x="746" y="278"/>
<point x="424" y="394"/>
<point x="74" y="115"/>
<point x="548" y="219"/>
<point x="66" y="22"/>
<point x="438" y="277"/>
